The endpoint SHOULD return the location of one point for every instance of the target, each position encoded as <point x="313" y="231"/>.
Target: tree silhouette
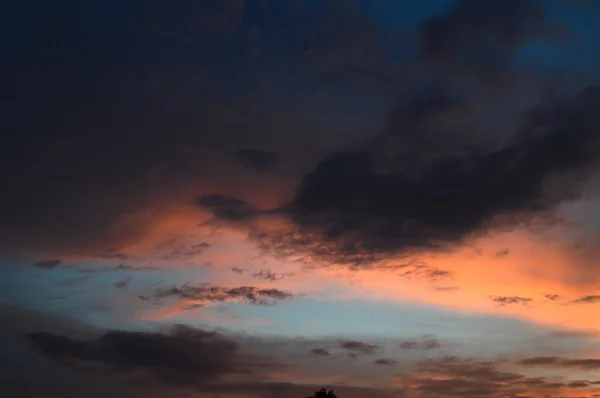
<point x="323" y="393"/>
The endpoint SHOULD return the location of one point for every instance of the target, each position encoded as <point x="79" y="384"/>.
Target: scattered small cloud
<point x="125" y="267"/>
<point x="269" y="275"/>
<point x="502" y="253"/>
<point x="208" y="293"/>
<point x="581" y="364"/>
<point x="552" y="297"/>
<point x="385" y="361"/>
<point x="359" y="347"/>
<point x="122" y="284"/>
<point x="425" y="344"/>
<point x="592" y="299"/>
<point x="320" y="352"/>
<point x="509" y="300"/>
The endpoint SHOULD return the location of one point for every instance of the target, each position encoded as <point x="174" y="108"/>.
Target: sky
<point x="243" y="198"/>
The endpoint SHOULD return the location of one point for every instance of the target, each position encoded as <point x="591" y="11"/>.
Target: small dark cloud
<point x="239" y="270"/>
<point x="578" y="384"/>
<point x="126" y="267"/>
<point x="507" y="300"/>
<point x="208" y="293"/>
<point x="552" y="297"/>
<point x="591" y="299"/>
<point x="385" y="361"/>
<point x="359" y="347"/>
<point x="47" y="264"/>
<point x="257" y="160"/>
<point x="424" y="344"/>
<point x="122" y="284"/>
<point x="269" y="275"/>
<point x="502" y="253"/>
<point x="320" y="352"/>
<point x="582" y="364"/>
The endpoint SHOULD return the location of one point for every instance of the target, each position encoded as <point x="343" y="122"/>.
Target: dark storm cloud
<point x="47" y="264"/>
<point x="210" y="293"/>
<point x="359" y="347"/>
<point x="506" y="300"/>
<point x="357" y="211"/>
<point x="582" y="364"/>
<point x="258" y="160"/>
<point x="134" y="91"/>
<point x="182" y="356"/>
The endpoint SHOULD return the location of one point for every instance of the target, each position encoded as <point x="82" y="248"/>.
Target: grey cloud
<point x="207" y="292"/>
<point x="506" y="300"/>
<point x="269" y="275"/>
<point x="582" y="364"/>
<point x="359" y="347"/>
<point x="320" y="352"/>
<point x="591" y="299"/>
<point x="182" y="356"/>
<point x="385" y="361"/>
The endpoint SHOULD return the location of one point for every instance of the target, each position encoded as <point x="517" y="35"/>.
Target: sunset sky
<point x="243" y="198"/>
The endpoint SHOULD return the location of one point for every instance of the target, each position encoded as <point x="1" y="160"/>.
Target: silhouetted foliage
<point x="323" y="393"/>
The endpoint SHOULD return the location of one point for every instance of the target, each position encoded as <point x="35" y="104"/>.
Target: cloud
<point x="227" y="208"/>
<point x="552" y="297"/>
<point x="506" y="300"/>
<point x="182" y="356"/>
<point x="227" y="96"/>
<point x="591" y="299"/>
<point x="125" y="267"/>
<point x="239" y="270"/>
<point x="269" y="275"/>
<point x="208" y="293"/>
<point x="47" y="264"/>
<point x="320" y="352"/>
<point x="503" y="253"/>
<point x="257" y="160"/>
<point x="425" y="344"/>
<point x="385" y="361"/>
<point x="359" y="347"/>
<point x="360" y="209"/>
<point x="582" y="364"/>
<point x="454" y="377"/>
<point x="122" y="284"/>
